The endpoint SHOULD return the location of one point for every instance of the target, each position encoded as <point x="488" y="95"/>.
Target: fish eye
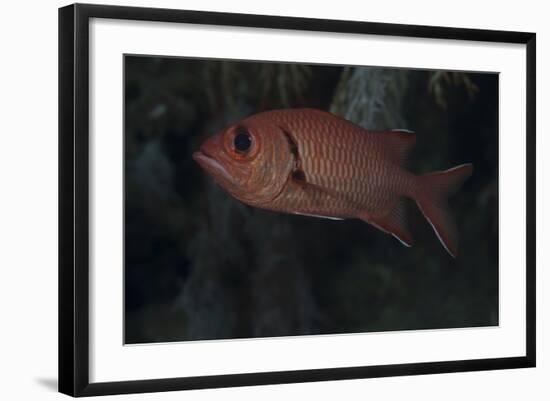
<point x="242" y="141"/>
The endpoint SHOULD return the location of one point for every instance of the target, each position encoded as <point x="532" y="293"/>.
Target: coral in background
<point x="371" y="97"/>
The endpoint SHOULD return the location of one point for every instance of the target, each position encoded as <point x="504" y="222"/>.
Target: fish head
<point x="251" y="160"/>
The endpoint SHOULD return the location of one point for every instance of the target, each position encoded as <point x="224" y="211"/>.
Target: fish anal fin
<point x="398" y="144"/>
<point x="393" y="223"/>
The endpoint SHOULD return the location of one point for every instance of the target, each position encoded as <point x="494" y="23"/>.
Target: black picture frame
<point x="74" y="198"/>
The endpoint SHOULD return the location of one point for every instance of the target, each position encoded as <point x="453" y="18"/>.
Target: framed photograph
<point x="251" y="199"/>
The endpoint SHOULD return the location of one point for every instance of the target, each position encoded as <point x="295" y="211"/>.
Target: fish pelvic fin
<point x="431" y="197"/>
<point x="393" y="223"/>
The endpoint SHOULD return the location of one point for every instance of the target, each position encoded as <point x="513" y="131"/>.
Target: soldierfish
<point x="311" y="162"/>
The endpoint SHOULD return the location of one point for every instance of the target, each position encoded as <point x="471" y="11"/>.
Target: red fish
<point x="310" y="162"/>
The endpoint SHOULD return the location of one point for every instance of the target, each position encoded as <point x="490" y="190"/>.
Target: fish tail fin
<point x="431" y="197"/>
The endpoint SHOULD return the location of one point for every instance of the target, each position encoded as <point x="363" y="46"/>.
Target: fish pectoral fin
<point x="392" y="223"/>
<point x="319" y="194"/>
<point x="299" y="178"/>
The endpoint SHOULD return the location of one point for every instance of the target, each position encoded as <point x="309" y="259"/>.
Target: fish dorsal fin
<point x="398" y="144"/>
<point x="393" y="223"/>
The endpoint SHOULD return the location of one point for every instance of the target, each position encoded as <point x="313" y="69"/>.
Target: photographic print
<point x="266" y="199"/>
<point x="238" y="206"/>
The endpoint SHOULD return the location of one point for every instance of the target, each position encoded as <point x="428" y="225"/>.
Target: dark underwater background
<point x="200" y="265"/>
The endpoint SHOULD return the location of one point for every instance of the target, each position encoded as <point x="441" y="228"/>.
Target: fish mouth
<point x="210" y="164"/>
